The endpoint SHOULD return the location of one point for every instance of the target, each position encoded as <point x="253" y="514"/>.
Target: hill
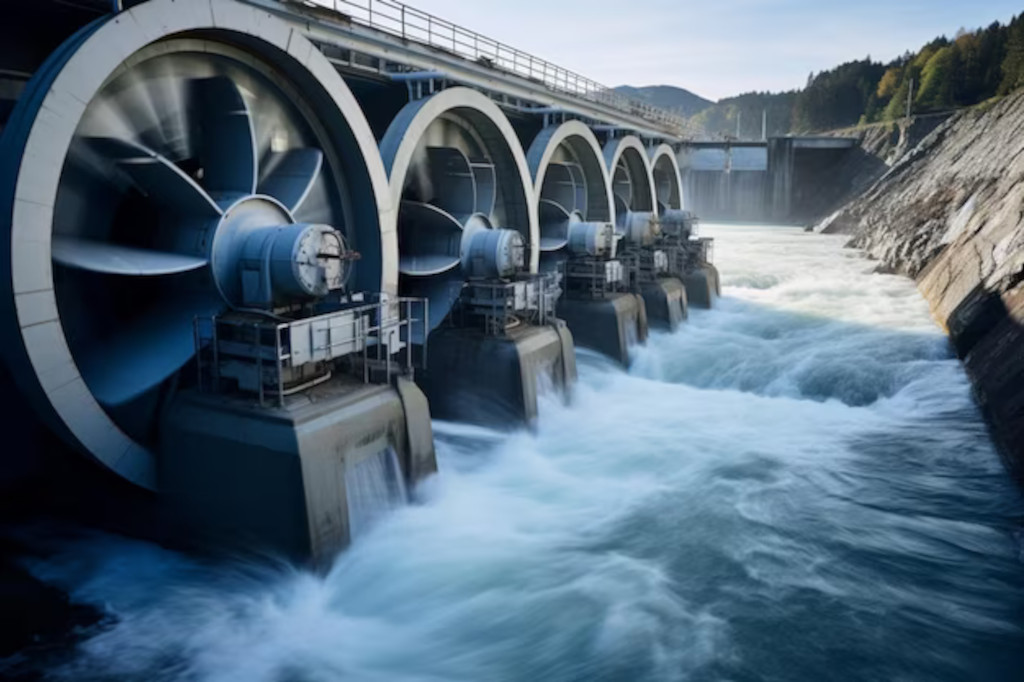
<point x="944" y="75"/>
<point x="668" y="97"/>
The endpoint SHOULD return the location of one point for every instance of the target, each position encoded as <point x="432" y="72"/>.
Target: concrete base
<point x="238" y="474"/>
<point x="665" y="302"/>
<point x="495" y="381"/>
<point x="609" y="326"/>
<point x="702" y="286"/>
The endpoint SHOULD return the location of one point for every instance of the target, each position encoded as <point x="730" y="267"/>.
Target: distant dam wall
<point x="792" y="180"/>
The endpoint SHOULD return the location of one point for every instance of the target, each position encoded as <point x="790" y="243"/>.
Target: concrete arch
<point x="583" y="144"/>
<point x="631" y="151"/>
<point x="668" y="181"/>
<point x="35" y="145"/>
<point x="402" y="138"/>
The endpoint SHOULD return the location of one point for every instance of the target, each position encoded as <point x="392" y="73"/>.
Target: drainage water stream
<point x="796" y="486"/>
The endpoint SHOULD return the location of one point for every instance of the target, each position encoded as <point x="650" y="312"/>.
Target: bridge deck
<point x="408" y="43"/>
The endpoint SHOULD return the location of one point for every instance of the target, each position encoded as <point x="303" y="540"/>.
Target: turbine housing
<point x="573" y="195"/>
<point x="458" y="173"/>
<point x="596" y="240"/>
<point x="677" y="223"/>
<point x="134" y="156"/>
<point x="291" y="263"/>
<point x="636" y="220"/>
<point x="492" y="254"/>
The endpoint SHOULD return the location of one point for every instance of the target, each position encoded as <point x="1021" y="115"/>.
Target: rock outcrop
<point x="949" y="212"/>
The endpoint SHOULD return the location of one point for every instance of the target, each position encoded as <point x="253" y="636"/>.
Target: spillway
<point x="796" y="485"/>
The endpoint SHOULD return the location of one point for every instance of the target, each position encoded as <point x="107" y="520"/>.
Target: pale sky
<point x="720" y="47"/>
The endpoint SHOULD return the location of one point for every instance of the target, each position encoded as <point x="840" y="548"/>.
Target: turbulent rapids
<point x="796" y="485"/>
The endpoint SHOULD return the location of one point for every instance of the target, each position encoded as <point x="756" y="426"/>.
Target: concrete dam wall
<point x="794" y="180"/>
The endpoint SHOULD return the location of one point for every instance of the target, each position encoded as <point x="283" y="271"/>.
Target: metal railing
<point x="268" y="357"/>
<point x="498" y="305"/>
<point x="416" y="25"/>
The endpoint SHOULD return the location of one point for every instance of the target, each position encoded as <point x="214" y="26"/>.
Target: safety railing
<point x="497" y="305"/>
<point x="413" y="24"/>
<point x="275" y="358"/>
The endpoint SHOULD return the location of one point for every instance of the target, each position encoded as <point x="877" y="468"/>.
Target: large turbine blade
<point x="120" y="260"/>
<point x="452" y="179"/>
<point x="158" y="178"/>
<point x="560" y="185"/>
<point x="227" y="151"/>
<point x="622" y="184"/>
<point x="291" y="175"/>
<point x="430" y="240"/>
<point x="142" y="355"/>
<point x="554" y="225"/>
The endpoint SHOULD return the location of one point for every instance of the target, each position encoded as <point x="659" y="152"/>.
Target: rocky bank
<point x="949" y="212"/>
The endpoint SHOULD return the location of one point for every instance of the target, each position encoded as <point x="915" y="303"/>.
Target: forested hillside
<point x="943" y="75"/>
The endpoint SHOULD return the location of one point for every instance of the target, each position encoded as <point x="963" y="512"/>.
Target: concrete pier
<point x="702" y="286"/>
<point x="495" y="380"/>
<point x="609" y="325"/>
<point x="665" y="302"/>
<point x="239" y="475"/>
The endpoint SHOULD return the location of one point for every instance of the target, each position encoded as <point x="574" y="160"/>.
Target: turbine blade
<point x="554" y="225"/>
<point x="227" y="150"/>
<point x="452" y="180"/>
<point x="145" y="353"/>
<point x="158" y="178"/>
<point x="291" y="175"/>
<point x="441" y="290"/>
<point x="552" y="243"/>
<point x="429" y="239"/>
<point x="120" y="260"/>
<point x="423" y="266"/>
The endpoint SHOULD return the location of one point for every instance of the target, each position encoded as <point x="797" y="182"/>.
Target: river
<point x="795" y="486"/>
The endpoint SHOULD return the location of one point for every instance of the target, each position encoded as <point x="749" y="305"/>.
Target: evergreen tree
<point x="1013" y="63"/>
<point x="975" y="66"/>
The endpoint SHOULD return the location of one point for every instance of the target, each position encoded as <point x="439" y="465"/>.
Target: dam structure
<point x="252" y="247"/>
<point x="790" y="180"/>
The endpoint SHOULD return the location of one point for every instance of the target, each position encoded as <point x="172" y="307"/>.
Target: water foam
<point x="794" y="486"/>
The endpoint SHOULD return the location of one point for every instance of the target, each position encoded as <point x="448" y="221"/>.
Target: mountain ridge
<point x="671" y="97"/>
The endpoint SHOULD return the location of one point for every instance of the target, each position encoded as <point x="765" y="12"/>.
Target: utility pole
<point x="910" y="97"/>
<point x="764" y="124"/>
<point x="739" y="118"/>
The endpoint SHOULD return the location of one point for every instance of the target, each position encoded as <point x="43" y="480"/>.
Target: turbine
<point x="161" y="172"/>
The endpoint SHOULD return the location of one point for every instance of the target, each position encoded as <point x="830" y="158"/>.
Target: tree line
<point x="944" y="74"/>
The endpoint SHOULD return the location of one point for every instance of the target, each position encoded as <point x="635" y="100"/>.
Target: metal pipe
<point x="418" y="76"/>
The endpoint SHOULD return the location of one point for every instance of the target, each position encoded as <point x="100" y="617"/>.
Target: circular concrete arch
<point x="515" y="206"/>
<point x="34" y="149"/>
<point x="631" y="152"/>
<point x="582" y="144"/>
<point x="668" y="184"/>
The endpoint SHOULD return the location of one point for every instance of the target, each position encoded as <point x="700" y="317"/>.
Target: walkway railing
<point x="412" y="24"/>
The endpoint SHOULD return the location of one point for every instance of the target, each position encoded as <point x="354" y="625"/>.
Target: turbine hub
<point x="489" y="253"/>
<point x="261" y="256"/>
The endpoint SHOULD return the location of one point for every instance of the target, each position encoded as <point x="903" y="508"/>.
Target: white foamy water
<point x="795" y="486"/>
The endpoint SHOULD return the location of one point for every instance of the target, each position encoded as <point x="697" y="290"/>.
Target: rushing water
<point x="795" y="486"/>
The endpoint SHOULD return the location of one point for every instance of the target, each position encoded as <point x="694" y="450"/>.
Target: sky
<point x="715" y="48"/>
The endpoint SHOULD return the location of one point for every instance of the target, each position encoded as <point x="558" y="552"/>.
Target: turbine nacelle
<point x="677" y="223"/>
<point x="489" y="253"/>
<point x="638" y="228"/>
<point x="292" y="263"/>
<point x="596" y="240"/>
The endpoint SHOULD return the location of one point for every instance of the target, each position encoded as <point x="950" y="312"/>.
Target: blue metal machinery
<point x="242" y="236"/>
